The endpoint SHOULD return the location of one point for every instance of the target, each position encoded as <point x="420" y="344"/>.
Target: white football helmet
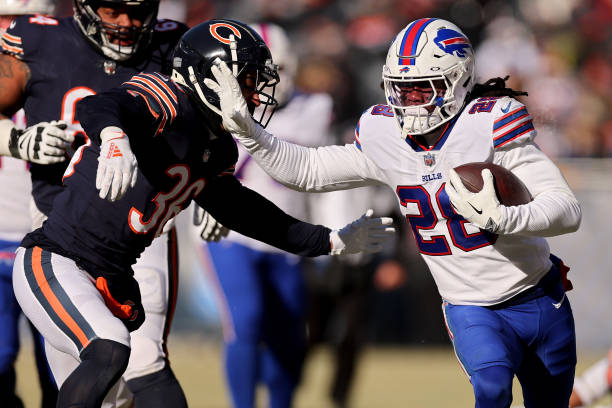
<point x="282" y="55"/>
<point x="20" y="7"/>
<point x="427" y="75"/>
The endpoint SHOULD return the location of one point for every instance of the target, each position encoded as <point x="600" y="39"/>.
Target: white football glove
<point x="482" y="208"/>
<point x="234" y="111"/>
<point x="43" y="143"/>
<point x="366" y="234"/>
<point x="210" y="229"/>
<point x="117" y="165"/>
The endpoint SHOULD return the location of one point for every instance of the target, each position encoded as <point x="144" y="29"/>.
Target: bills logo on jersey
<point x="452" y="42"/>
<point x="429" y="159"/>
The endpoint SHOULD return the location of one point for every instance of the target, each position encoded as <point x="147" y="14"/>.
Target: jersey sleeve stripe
<point x="10" y="49"/>
<point x="164" y="118"/>
<point x="152" y="88"/>
<point x="160" y="82"/>
<point x="518" y="120"/>
<point x="153" y="113"/>
<point x="11" y="38"/>
<point x="513" y="134"/>
<point x="508" y="118"/>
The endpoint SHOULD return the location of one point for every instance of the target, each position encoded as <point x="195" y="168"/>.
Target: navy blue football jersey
<point x="182" y="155"/>
<point x="64" y="69"/>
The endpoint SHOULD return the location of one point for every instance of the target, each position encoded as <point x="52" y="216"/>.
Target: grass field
<point x="389" y="378"/>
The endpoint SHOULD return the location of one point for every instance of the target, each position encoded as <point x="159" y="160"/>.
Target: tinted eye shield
<point x="405" y="92"/>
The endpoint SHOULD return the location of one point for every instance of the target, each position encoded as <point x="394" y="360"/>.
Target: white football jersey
<point x="15" y="197"/>
<point x="304" y="120"/>
<point x="469" y="266"/>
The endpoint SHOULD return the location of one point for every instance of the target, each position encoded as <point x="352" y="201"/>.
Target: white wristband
<point x="6" y="128"/>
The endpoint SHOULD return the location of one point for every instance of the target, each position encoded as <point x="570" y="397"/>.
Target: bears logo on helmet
<point x="244" y="52"/>
<point x="214" y="31"/>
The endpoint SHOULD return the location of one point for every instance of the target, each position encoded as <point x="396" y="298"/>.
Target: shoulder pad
<point x="25" y="34"/>
<point x="159" y="94"/>
<point x="373" y="114"/>
<point x="512" y="123"/>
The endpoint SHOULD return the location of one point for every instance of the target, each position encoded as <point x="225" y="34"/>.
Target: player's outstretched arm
<point x="298" y="167"/>
<point x="224" y="198"/>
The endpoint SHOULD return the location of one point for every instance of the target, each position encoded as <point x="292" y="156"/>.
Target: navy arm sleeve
<point x="247" y="212"/>
<point x="145" y="105"/>
<point x="111" y="108"/>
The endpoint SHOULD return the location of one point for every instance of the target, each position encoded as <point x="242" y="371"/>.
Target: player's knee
<point x="493" y="387"/>
<point x="102" y="363"/>
<point x="109" y="358"/>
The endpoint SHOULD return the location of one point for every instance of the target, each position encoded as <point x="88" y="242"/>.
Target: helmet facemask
<point x="107" y="37"/>
<point x="443" y="96"/>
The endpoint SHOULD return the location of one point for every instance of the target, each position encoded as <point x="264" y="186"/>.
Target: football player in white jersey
<point x="503" y="300"/>
<point x="15" y="223"/>
<point x="262" y="291"/>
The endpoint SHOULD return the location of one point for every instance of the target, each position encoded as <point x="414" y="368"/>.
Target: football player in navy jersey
<point x="49" y="64"/>
<point x="156" y="144"/>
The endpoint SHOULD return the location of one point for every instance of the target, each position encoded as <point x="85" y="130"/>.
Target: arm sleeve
<point x="245" y="211"/>
<point x="114" y="108"/>
<point x="145" y="105"/>
<point x="554" y="209"/>
<point x="320" y="169"/>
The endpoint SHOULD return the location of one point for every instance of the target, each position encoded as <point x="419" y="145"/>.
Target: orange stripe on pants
<point x="44" y="286"/>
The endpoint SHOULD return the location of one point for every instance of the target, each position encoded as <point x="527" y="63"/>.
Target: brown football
<point x="509" y="188"/>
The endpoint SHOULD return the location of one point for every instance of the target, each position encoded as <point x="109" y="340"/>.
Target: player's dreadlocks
<point x="493" y="87"/>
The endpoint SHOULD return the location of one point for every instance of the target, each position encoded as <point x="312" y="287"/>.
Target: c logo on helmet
<point x="214" y="32"/>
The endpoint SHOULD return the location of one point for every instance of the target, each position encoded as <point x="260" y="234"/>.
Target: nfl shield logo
<point x="110" y="67"/>
<point x="429" y="159"/>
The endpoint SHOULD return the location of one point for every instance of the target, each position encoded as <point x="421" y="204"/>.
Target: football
<point x="509" y="188"/>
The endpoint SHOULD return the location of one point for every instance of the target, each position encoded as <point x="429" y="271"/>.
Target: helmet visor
<point x="415" y="92"/>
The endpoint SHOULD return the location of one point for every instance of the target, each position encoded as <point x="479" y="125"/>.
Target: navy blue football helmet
<point x="244" y="52"/>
